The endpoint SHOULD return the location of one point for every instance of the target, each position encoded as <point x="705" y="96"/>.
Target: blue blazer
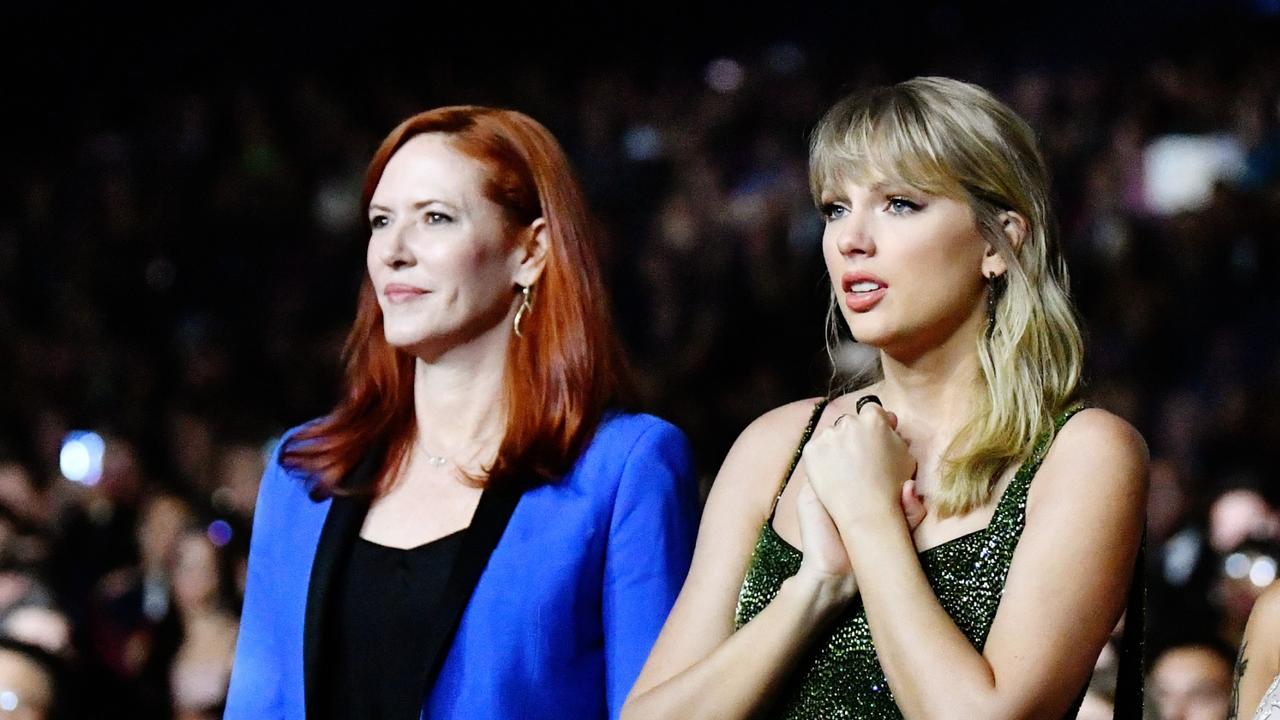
<point x="557" y="595"/>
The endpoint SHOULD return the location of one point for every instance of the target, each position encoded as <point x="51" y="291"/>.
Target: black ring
<point x="864" y="400"/>
<point x="837" y="422"/>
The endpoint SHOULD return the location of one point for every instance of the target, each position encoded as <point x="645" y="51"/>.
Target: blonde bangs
<point x="879" y="142"/>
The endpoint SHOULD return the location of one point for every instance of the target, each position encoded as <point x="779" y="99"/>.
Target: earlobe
<point x="993" y="263"/>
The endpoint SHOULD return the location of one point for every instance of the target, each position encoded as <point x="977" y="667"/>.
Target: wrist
<point x="818" y="597"/>
<point x="874" y="532"/>
<point x="874" y="513"/>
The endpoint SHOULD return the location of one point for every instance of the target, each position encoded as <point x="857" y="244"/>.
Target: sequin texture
<point x="842" y="677"/>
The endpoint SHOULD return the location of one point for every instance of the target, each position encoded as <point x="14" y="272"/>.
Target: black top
<point x="377" y="646"/>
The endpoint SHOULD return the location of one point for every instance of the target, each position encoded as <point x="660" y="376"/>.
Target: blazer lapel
<point x="341" y="527"/>
<point x="487" y="525"/>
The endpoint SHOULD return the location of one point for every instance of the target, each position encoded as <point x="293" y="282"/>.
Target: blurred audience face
<point x="43" y="627"/>
<point x="159" y="530"/>
<point x="239" y="472"/>
<point x="18" y="493"/>
<point x="120" y="472"/>
<point x="906" y="266"/>
<point x="1239" y="515"/>
<point x="440" y="256"/>
<point x="195" y="573"/>
<point x="25" y="686"/>
<point x="1191" y="682"/>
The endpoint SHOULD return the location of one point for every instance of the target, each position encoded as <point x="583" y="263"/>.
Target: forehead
<point x="429" y="166"/>
<point x="1193" y="663"/>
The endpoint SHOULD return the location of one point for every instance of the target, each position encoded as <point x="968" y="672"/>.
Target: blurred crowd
<point x="179" y="259"/>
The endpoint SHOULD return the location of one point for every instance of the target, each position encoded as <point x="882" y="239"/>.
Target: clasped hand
<point x="856" y="469"/>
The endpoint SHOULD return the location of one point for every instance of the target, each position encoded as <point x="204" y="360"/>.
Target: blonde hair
<point x="955" y="139"/>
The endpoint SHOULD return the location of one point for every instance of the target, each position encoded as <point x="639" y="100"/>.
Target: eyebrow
<point x="417" y="205"/>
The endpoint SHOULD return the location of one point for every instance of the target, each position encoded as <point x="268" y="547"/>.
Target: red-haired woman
<point x="474" y="531"/>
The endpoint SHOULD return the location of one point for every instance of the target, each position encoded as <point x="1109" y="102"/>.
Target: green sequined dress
<point x="842" y="677"/>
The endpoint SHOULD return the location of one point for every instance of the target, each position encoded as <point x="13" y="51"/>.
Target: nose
<point x="393" y="250"/>
<point x="853" y="234"/>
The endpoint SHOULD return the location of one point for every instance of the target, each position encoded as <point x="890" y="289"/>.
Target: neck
<point x="933" y="392"/>
<point x="458" y="397"/>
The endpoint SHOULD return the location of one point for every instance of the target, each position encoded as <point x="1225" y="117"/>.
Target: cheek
<point x="951" y="267"/>
<point x="476" y="274"/>
<point x="834" y="260"/>
<point x="373" y="263"/>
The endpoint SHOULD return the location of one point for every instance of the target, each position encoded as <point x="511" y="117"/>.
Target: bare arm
<point x="1258" y="663"/>
<point x="701" y="668"/>
<point x="1063" y="594"/>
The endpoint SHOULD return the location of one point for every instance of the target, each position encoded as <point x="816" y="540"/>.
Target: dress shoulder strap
<point x="795" y="456"/>
<point x="1015" y="496"/>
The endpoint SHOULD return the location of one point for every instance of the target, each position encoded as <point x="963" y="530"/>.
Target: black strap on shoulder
<point x="795" y="457"/>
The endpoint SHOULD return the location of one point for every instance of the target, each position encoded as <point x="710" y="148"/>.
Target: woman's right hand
<point x="825" y="560"/>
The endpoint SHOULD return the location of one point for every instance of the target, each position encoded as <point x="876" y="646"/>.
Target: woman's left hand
<point x="858" y="465"/>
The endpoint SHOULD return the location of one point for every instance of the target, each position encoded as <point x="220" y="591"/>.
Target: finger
<point x="912" y="506"/>
<point x="874" y="410"/>
<point x="892" y="419"/>
<point x="810" y="512"/>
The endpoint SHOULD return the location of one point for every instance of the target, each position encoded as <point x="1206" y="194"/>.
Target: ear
<point x="1014" y="227"/>
<point x="532" y="245"/>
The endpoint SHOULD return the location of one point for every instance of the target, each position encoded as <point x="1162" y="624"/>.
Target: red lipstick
<point x="862" y="290"/>
<point x="400" y="292"/>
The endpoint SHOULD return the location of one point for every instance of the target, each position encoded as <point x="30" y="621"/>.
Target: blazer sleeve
<point x="651" y="535"/>
<point x="256" y="690"/>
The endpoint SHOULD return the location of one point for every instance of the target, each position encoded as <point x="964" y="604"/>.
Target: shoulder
<point x="622" y="431"/>
<point x="637" y="446"/>
<point x="754" y="468"/>
<point x="638" y="466"/>
<point x="285" y="479"/>
<point x="794" y="415"/>
<point x="1095" y="437"/>
<point x="776" y="432"/>
<point x="1097" y="455"/>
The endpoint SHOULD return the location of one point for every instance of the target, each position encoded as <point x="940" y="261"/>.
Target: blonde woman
<point x="811" y="595"/>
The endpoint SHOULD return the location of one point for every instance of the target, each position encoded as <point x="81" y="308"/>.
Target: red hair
<point x="559" y="377"/>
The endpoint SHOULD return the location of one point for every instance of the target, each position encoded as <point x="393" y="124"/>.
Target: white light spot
<point x="1237" y="565"/>
<point x="8" y="701"/>
<point x="1263" y="571"/>
<point x="81" y="457"/>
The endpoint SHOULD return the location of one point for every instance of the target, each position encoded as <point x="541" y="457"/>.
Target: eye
<point x="832" y="211"/>
<point x="898" y="205"/>
<point x="379" y="221"/>
<point x="436" y="218"/>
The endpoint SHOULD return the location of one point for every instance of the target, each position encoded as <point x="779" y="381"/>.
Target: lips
<point x="400" y="293"/>
<point x="862" y="291"/>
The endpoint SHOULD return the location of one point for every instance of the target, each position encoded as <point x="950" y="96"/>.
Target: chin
<point x="405" y="338"/>
<point x="873" y="334"/>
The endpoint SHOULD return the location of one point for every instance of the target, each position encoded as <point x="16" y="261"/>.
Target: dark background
<point x="180" y="245"/>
